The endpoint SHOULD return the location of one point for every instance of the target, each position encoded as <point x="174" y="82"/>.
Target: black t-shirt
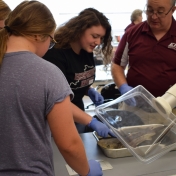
<point x="79" y="70"/>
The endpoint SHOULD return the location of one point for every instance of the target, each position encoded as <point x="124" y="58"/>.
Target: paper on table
<point x="105" y="165"/>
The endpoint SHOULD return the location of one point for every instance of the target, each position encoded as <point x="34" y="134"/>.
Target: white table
<point x="102" y="75"/>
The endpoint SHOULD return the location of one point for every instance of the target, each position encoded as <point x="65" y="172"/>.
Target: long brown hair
<point x="73" y="30"/>
<point x="27" y="19"/>
<point x="4" y="10"/>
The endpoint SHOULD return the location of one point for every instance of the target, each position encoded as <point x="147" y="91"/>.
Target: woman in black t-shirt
<point x="73" y="53"/>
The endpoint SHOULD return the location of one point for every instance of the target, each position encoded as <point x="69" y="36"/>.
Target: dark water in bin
<point x="123" y="118"/>
<point x="142" y="104"/>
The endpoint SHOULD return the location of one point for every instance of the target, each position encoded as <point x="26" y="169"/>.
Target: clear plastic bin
<point x="146" y="133"/>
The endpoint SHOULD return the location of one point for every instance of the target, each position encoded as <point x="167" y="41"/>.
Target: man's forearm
<point x="118" y="74"/>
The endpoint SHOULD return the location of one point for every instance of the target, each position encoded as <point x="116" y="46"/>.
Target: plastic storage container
<point x="144" y="131"/>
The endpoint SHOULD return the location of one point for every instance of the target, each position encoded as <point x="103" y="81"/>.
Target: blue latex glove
<point x="124" y="88"/>
<point x="100" y="128"/>
<point x="94" y="168"/>
<point x="95" y="96"/>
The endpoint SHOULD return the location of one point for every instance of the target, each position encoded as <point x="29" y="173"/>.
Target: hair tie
<point x="8" y="29"/>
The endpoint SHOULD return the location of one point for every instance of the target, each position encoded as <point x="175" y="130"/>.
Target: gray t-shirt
<point x="29" y="87"/>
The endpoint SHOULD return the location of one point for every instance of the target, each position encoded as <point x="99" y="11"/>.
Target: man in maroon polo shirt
<point x="149" y="50"/>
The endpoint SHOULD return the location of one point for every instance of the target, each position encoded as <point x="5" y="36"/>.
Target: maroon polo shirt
<point x="129" y="26"/>
<point x="152" y="63"/>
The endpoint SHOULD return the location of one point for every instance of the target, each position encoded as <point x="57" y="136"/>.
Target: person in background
<point x="35" y="99"/>
<point x="4" y="12"/>
<point x="73" y="54"/>
<point x="149" y="49"/>
<point x="136" y="18"/>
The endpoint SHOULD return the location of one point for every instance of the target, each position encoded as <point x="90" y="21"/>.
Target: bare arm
<point x="118" y="75"/>
<point x="83" y="118"/>
<point x="66" y="137"/>
<point x="80" y="116"/>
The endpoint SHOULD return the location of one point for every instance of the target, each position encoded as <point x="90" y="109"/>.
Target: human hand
<point x="94" y="168"/>
<point x="100" y="128"/>
<point x="95" y="96"/>
<point x="124" y="88"/>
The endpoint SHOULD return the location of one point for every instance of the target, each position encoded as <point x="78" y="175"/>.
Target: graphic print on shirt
<point x="83" y="79"/>
<point x="172" y="46"/>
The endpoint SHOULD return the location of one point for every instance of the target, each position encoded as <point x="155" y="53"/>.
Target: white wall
<point x="118" y="11"/>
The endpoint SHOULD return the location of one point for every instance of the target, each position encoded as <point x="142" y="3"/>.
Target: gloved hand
<point x="124" y="88"/>
<point x="95" y="96"/>
<point x="94" y="168"/>
<point x="100" y="128"/>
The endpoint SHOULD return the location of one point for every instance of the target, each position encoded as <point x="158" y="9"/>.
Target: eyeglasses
<point x="52" y="42"/>
<point x="160" y="14"/>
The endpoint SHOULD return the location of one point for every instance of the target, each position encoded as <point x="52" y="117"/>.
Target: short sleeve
<point x="56" y="88"/>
